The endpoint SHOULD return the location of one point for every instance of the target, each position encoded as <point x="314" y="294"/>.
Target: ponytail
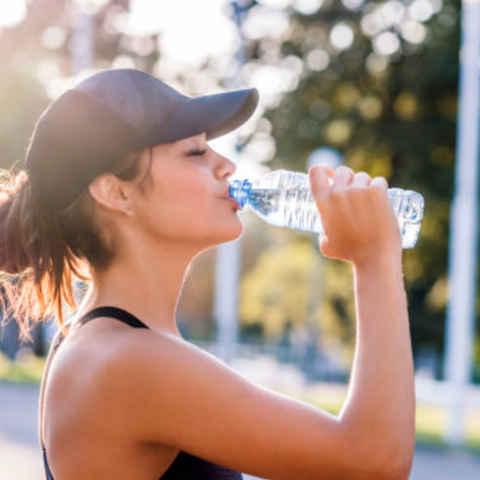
<point x="36" y="264"/>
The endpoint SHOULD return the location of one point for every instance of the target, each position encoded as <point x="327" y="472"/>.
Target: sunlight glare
<point x="190" y="31"/>
<point x="12" y="12"/>
<point x="266" y="23"/>
<point x="307" y="7"/>
<point x="276" y="4"/>
<point x="387" y="43"/>
<point x="341" y="36"/>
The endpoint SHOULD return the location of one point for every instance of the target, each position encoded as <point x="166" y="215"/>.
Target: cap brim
<point x="215" y="115"/>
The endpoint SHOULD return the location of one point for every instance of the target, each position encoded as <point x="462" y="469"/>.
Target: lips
<point x="230" y="199"/>
<point x="226" y="196"/>
<point x="233" y="202"/>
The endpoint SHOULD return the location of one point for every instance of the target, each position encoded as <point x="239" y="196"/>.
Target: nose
<point x="225" y="168"/>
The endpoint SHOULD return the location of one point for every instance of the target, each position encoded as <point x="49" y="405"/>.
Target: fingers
<point x="319" y="175"/>
<point x="343" y="176"/>
<point x="361" y="179"/>
<point x="380" y="181"/>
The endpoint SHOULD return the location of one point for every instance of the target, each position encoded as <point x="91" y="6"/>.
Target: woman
<point x="122" y="186"/>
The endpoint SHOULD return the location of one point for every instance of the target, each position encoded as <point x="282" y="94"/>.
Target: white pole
<point x="227" y="273"/>
<point x="464" y="227"/>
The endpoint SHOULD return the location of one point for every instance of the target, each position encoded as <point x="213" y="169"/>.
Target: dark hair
<point x="41" y="253"/>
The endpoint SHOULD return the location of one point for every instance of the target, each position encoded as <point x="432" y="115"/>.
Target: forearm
<point x="380" y="404"/>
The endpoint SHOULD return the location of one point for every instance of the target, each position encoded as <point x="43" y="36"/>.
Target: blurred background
<point x="370" y="84"/>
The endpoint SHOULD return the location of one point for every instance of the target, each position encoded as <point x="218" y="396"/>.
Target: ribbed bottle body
<point x="284" y="199"/>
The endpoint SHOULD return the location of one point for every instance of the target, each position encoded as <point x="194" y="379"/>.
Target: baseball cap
<point x="88" y="129"/>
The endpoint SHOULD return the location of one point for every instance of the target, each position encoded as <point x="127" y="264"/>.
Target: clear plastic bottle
<point x="284" y="199"/>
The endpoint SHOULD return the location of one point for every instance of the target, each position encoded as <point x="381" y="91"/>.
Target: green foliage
<point x="275" y="292"/>
<point x="292" y="285"/>
<point x="335" y="312"/>
<point x="28" y="369"/>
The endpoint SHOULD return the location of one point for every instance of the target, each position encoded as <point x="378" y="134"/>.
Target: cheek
<point x="181" y="206"/>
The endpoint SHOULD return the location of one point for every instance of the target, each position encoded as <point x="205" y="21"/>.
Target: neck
<point x="145" y="281"/>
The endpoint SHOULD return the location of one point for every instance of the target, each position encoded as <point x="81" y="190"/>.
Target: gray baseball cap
<point x="88" y="129"/>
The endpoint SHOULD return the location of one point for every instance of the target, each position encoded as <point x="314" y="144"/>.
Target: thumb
<point x="324" y="246"/>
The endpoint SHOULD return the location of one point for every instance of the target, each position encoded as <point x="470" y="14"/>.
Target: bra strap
<point x="112" y="312"/>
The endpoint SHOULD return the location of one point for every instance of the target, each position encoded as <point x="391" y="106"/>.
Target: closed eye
<point x="196" y="153"/>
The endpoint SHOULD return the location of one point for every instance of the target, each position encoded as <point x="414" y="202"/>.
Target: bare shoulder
<point x="161" y="363"/>
<point x="170" y="392"/>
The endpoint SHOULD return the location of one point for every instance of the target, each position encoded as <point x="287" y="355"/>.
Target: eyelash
<point x="195" y="153"/>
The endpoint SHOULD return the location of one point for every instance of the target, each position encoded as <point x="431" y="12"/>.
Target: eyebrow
<point x="197" y="144"/>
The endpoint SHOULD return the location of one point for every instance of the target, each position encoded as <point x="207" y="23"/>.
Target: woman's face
<point x="187" y="198"/>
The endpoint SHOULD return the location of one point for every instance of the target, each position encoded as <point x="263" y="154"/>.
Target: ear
<point x="111" y="193"/>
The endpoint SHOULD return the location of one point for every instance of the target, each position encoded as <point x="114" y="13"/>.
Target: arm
<point x="361" y="227"/>
<point x="159" y="389"/>
<point x="381" y="398"/>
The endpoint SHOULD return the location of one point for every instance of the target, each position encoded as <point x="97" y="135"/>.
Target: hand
<point x="358" y="221"/>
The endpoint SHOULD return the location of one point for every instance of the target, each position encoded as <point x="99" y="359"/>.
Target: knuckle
<point x="358" y="190"/>
<point x="343" y="169"/>
<point x="357" y="193"/>
<point x="336" y="193"/>
<point x="377" y="191"/>
<point x="363" y="179"/>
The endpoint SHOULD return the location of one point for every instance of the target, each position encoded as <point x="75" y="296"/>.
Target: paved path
<point x="20" y="456"/>
<point x="437" y="464"/>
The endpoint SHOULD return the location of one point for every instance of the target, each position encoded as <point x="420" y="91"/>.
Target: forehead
<point x="196" y="140"/>
<point x="166" y="150"/>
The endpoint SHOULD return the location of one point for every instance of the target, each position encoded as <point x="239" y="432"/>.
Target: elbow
<point x="380" y="462"/>
<point x="374" y="469"/>
<point x="384" y="455"/>
<point x="396" y="465"/>
<point x="381" y="456"/>
<point x="393" y="472"/>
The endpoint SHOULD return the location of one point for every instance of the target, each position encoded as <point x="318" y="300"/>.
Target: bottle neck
<point x="240" y="191"/>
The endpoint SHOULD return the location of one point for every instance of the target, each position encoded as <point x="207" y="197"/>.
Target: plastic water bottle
<point x="284" y="199"/>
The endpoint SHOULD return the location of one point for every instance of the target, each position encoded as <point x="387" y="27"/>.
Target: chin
<point x="229" y="233"/>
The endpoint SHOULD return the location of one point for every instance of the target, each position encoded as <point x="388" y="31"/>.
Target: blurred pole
<point x="81" y="42"/>
<point x="227" y="268"/>
<point x="316" y="282"/>
<point x="464" y="227"/>
<point x="227" y="273"/>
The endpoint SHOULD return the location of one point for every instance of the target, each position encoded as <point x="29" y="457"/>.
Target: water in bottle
<point x="283" y="198"/>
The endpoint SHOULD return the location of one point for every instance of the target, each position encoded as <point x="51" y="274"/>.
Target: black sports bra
<point x="185" y="466"/>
